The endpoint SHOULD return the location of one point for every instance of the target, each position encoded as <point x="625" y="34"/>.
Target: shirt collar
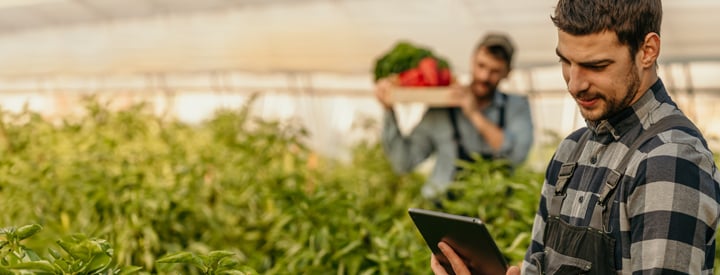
<point x="616" y="126"/>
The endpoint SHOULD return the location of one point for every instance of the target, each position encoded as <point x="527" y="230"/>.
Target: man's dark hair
<point x="631" y="20"/>
<point x="499" y="46"/>
<point x="502" y="54"/>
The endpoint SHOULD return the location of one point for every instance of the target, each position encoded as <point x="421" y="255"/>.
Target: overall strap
<point x="566" y="172"/>
<point x="600" y="218"/>
<point x="462" y="154"/>
<point x="501" y="120"/>
<point x="453" y="121"/>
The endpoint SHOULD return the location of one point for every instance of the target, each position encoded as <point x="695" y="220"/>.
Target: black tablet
<point x="467" y="236"/>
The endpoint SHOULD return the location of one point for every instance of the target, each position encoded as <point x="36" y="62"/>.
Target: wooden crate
<point x="432" y="96"/>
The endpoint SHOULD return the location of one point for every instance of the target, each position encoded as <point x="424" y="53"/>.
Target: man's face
<point x="487" y="71"/>
<point x="599" y="73"/>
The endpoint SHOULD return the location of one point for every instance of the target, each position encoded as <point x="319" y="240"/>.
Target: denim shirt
<point x="434" y="135"/>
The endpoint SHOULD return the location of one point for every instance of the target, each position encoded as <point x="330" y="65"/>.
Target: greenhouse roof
<point x="296" y="35"/>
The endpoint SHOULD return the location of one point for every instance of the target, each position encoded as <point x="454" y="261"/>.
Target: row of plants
<point x="83" y="255"/>
<point x="152" y="186"/>
<point x="129" y="192"/>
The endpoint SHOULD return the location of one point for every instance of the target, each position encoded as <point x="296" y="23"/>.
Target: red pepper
<point x="444" y="77"/>
<point x="429" y="69"/>
<point x="411" y="77"/>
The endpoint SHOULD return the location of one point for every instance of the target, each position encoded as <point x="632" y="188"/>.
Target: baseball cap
<point x="495" y="39"/>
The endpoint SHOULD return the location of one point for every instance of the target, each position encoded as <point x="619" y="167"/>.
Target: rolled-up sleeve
<point x="403" y="152"/>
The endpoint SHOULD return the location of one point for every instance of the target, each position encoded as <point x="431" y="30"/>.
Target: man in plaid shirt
<point x="636" y="191"/>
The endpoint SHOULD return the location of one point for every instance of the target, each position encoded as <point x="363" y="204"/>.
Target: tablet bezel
<point x="468" y="236"/>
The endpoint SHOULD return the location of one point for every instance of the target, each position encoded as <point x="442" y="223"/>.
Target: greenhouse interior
<point x="303" y="68"/>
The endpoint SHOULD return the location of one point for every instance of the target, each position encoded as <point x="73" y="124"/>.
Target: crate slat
<point x="432" y="96"/>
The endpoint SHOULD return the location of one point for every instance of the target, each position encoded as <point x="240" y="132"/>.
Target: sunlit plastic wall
<point x="337" y="109"/>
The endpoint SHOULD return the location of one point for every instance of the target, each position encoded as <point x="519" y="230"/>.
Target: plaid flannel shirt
<point x="665" y="212"/>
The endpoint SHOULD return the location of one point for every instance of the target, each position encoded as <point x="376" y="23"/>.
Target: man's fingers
<point x="437" y="268"/>
<point x="381" y="91"/>
<point x="455" y="260"/>
<point x="456" y="95"/>
<point x="513" y="270"/>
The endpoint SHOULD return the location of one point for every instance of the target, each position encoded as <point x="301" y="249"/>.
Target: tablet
<point x="467" y="236"/>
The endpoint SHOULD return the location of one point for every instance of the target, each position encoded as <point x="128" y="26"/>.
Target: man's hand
<point x="472" y="109"/>
<point x="457" y="263"/>
<point x="465" y="99"/>
<point x="382" y="90"/>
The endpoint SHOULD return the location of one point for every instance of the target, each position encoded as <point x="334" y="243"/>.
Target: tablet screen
<point x="466" y="235"/>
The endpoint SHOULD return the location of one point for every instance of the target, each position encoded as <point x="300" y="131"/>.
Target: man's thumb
<point x="513" y="270"/>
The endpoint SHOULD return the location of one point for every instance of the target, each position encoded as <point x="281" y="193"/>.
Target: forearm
<point x="491" y="133"/>
<point x="512" y="143"/>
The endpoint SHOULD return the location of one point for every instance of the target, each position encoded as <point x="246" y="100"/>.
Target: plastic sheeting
<point x="301" y="35"/>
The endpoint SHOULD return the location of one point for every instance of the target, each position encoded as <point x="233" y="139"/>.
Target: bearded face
<point x="487" y="71"/>
<point x="599" y="72"/>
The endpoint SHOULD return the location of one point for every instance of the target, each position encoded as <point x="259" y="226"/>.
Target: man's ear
<point x="649" y="50"/>
<point x="507" y="73"/>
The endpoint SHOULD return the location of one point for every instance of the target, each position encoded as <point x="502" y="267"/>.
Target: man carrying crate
<point x="483" y="120"/>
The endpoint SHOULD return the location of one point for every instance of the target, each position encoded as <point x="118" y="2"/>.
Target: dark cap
<point x="499" y="40"/>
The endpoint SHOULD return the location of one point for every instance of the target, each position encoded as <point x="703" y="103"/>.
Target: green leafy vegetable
<point x="402" y="57"/>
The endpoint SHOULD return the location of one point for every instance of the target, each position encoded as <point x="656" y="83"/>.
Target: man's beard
<point x="482" y="95"/>
<point x="633" y="81"/>
<point x="612" y="105"/>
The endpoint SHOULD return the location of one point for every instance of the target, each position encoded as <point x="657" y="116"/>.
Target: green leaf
<point x="63" y="265"/>
<point x="228" y="263"/>
<point x="99" y="262"/>
<point x="179" y="257"/>
<point x="36" y="266"/>
<point x="216" y="256"/>
<point x="76" y="251"/>
<point x="27" y="230"/>
<point x="31" y="254"/>
<point x="54" y="253"/>
<point x="343" y="251"/>
<point x="246" y="270"/>
<point x="128" y="270"/>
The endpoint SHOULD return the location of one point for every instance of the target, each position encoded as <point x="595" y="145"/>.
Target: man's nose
<point x="576" y="80"/>
<point x="483" y="74"/>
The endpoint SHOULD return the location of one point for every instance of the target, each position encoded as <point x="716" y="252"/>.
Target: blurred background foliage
<point x="152" y="186"/>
